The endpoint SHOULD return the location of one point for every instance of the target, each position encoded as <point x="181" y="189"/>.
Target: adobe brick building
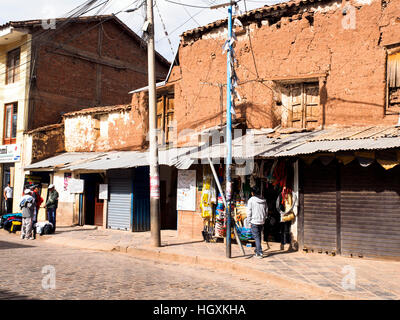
<point x="299" y="64"/>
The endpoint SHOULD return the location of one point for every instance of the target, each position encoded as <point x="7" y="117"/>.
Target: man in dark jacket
<point x="51" y="205"/>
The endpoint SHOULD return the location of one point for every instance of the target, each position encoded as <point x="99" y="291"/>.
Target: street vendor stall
<point x="273" y="178"/>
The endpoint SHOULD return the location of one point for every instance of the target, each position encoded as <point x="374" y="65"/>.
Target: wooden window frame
<point x="13" y="63"/>
<point x="11" y="139"/>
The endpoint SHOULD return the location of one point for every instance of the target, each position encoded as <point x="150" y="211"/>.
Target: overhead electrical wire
<point x="187" y="5"/>
<point x="83" y="32"/>
<point x="76" y="14"/>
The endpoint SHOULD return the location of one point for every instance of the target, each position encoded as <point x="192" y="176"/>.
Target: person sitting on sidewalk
<point x="257" y="211"/>
<point x="27" y="206"/>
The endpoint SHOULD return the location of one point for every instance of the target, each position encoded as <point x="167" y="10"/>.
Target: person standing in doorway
<point x="27" y="205"/>
<point x="8" y="196"/>
<point x="51" y="205"/>
<point x="257" y="210"/>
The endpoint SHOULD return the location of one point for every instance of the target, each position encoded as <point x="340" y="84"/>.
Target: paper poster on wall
<point x="75" y="185"/>
<point x="67" y="177"/>
<point x="103" y="191"/>
<point x="186" y="193"/>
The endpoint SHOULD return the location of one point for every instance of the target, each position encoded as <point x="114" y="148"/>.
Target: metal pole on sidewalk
<point x="229" y="137"/>
<point x="154" y="176"/>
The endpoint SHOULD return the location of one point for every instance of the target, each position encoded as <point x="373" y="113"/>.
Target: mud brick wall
<point x="292" y="43"/>
<point x="47" y="142"/>
<point x="109" y="128"/>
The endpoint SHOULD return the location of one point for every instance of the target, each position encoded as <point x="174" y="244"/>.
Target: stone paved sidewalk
<point x="373" y="279"/>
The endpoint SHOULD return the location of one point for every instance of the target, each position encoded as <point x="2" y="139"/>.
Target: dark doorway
<point x="168" y="185"/>
<point x="93" y="206"/>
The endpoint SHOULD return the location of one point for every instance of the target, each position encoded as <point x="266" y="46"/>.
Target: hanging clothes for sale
<point x="207" y="197"/>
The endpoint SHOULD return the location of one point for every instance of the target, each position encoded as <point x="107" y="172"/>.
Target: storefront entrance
<point x="93" y="206"/>
<point x="8" y="177"/>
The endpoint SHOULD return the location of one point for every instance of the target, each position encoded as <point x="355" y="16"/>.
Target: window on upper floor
<point x="13" y="64"/>
<point x="393" y="80"/>
<point x="10" y="123"/>
<point x="304" y="108"/>
<point x="165" y="118"/>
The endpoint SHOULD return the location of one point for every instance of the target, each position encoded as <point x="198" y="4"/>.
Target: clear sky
<point x="176" y="18"/>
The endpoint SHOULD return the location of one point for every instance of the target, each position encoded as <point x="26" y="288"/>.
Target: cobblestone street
<point x="83" y="274"/>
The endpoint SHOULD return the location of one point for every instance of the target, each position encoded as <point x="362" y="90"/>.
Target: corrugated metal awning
<point x="268" y="145"/>
<point x="95" y="161"/>
<point x="62" y="160"/>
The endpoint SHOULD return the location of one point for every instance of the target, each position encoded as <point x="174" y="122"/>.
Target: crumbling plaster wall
<point x="312" y="41"/>
<point x="106" y="131"/>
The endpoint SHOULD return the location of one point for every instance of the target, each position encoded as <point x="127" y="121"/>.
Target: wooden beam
<point x="66" y="50"/>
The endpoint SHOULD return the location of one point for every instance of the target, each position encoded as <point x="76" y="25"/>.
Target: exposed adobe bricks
<point x="47" y="142"/>
<point x="303" y="42"/>
<point x="119" y="129"/>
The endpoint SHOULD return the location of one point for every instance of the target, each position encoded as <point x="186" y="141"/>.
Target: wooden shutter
<point x="160" y="119"/>
<point x="169" y="118"/>
<point x="297" y="106"/>
<point x="305" y="109"/>
<point x="311" y="103"/>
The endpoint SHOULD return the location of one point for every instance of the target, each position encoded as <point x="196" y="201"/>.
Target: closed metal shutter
<point x="370" y="210"/>
<point x="120" y="202"/>
<point x="141" y="220"/>
<point x="319" y="187"/>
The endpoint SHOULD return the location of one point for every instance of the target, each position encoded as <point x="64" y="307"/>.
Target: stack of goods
<point x="220" y="221"/>
<point x="245" y="234"/>
<point x="11" y="222"/>
<point x="240" y="212"/>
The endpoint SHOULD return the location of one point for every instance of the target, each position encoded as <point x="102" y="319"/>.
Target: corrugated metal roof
<point x="292" y="144"/>
<point x="112" y="160"/>
<point x="251" y="145"/>
<point x="63" y="160"/>
<point x="354" y="133"/>
<point x="102" y="161"/>
<point x="340" y="145"/>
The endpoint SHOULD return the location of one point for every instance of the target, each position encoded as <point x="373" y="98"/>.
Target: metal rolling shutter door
<point x="370" y="210"/>
<point x="120" y="203"/>
<point x="319" y="185"/>
<point x="142" y="199"/>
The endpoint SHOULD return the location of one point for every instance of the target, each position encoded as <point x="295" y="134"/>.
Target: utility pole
<point x="228" y="162"/>
<point x="154" y="175"/>
<point x="229" y="136"/>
